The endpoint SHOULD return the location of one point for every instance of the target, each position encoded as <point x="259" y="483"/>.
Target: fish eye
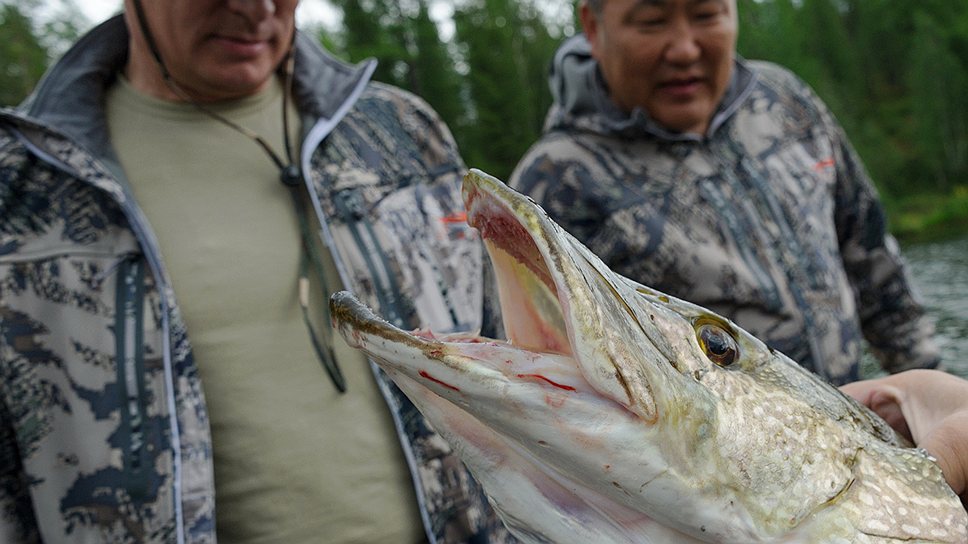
<point x="717" y="343"/>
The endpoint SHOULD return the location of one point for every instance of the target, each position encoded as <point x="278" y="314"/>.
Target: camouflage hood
<point x="581" y="98"/>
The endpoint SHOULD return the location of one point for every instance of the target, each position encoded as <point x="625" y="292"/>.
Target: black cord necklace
<point x="290" y="176"/>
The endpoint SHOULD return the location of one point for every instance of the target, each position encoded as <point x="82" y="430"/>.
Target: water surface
<point x="940" y="271"/>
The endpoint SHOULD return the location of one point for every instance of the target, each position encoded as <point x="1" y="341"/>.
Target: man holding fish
<point x="725" y="182"/>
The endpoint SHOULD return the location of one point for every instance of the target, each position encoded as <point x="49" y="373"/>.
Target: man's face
<point x="214" y="49"/>
<point x="672" y="58"/>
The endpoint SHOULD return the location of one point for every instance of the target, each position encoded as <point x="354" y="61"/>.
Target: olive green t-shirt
<point x="294" y="460"/>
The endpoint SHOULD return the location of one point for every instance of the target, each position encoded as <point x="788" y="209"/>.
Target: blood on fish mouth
<point x="502" y="228"/>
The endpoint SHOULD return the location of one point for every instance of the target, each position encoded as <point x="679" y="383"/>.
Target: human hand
<point x="930" y="408"/>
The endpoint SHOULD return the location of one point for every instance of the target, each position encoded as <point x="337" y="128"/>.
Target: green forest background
<point x="895" y="72"/>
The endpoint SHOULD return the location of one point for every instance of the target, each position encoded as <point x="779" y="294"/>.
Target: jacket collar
<point x="70" y="97"/>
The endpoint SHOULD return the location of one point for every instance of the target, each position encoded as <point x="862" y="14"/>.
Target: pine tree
<point x="23" y="58"/>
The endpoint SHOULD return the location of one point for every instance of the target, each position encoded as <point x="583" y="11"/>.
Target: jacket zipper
<point x="129" y="338"/>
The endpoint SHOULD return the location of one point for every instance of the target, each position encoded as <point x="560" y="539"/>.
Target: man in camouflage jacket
<point x="104" y="433"/>
<point x="767" y="216"/>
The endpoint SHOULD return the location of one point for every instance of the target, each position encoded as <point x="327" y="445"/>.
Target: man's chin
<point x="232" y="83"/>
<point x="685" y="119"/>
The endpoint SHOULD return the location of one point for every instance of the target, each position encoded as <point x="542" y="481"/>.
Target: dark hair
<point x="596" y="5"/>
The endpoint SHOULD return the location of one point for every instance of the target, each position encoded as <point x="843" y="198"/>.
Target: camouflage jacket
<point x="769" y="218"/>
<point x="103" y="427"/>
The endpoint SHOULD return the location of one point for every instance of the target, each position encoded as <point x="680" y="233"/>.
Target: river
<point x="940" y="271"/>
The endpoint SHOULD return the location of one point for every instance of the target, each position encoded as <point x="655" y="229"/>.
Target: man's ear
<point x="589" y="23"/>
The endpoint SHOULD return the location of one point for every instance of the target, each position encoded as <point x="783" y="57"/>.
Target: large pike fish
<point x="617" y="414"/>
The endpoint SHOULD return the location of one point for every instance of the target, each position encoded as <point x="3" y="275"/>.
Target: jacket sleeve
<point x="891" y="312"/>
<point x="17" y="521"/>
<point x="440" y="138"/>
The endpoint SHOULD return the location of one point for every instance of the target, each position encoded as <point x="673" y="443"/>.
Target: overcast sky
<point x="318" y="11"/>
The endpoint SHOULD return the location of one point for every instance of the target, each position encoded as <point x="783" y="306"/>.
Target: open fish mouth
<point x="505" y="404"/>
<point x="550" y="316"/>
<point x="537" y="355"/>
